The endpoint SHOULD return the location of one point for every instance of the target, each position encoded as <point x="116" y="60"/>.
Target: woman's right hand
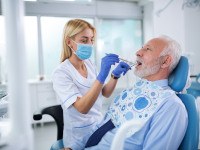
<point x="106" y="62"/>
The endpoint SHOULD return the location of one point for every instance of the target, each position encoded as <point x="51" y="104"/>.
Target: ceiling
<point x="140" y="2"/>
<point x="124" y="0"/>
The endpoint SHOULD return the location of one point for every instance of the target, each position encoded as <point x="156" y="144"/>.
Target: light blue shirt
<point x="163" y="131"/>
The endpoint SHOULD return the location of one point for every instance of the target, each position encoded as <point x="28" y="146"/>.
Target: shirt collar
<point x="161" y="83"/>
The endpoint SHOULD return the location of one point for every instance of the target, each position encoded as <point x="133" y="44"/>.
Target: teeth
<point x="139" y="63"/>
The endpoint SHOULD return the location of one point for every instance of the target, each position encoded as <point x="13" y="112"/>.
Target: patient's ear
<point x="166" y="61"/>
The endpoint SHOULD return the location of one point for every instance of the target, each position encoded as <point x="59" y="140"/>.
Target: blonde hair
<point x="71" y="29"/>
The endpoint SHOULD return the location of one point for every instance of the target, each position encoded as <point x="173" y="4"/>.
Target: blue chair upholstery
<point x="178" y="78"/>
<point x="177" y="82"/>
<point x="57" y="145"/>
<point x="191" y="138"/>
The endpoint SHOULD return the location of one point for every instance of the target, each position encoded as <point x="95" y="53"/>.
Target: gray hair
<point x="173" y="49"/>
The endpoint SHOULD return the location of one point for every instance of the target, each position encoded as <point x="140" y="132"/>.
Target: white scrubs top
<point x="69" y="84"/>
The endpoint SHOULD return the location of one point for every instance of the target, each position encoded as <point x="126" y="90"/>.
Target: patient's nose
<point x="139" y="53"/>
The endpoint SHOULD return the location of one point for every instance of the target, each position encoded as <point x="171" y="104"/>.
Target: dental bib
<point x="138" y="103"/>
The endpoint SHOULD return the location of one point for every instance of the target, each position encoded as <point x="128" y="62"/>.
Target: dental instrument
<point x="129" y="62"/>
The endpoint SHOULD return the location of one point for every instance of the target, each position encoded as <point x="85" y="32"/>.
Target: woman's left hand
<point x="121" y="68"/>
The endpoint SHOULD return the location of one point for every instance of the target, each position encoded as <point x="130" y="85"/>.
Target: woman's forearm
<point x="109" y="87"/>
<point x="83" y="104"/>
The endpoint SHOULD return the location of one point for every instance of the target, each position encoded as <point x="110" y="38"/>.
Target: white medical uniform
<point x="69" y="84"/>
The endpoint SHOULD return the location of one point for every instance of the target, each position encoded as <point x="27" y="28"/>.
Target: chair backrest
<point x="177" y="82"/>
<point x="57" y="113"/>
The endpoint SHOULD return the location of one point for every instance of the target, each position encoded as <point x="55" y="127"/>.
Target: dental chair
<point x="177" y="82"/>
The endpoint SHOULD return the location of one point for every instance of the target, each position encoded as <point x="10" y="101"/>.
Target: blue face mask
<point x="84" y="51"/>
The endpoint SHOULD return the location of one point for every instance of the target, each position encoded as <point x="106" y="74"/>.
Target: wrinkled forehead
<point x="157" y="44"/>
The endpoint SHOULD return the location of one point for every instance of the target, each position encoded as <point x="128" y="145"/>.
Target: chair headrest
<point x="178" y="78"/>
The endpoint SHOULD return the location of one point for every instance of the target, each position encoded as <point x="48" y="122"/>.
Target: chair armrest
<point x="50" y="110"/>
<point x="38" y="114"/>
<point x="121" y="134"/>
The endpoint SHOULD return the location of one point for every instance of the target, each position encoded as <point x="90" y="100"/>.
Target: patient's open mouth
<point x="139" y="63"/>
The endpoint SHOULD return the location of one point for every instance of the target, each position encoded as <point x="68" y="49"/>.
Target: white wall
<point x="192" y="36"/>
<point x="170" y="21"/>
<point x="148" y="21"/>
<point x="176" y="22"/>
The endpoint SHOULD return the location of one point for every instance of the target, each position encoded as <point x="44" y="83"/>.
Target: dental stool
<point x="57" y="113"/>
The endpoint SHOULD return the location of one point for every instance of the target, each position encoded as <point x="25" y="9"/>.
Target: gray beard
<point x="147" y="71"/>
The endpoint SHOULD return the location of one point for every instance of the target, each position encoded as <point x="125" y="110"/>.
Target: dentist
<point x="79" y="87"/>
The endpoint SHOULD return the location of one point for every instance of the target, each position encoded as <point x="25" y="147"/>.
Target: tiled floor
<point x="44" y="136"/>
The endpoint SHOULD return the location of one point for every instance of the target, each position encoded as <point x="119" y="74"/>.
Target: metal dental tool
<point x="129" y="62"/>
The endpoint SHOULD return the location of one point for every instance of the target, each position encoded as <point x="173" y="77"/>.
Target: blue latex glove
<point x="106" y="62"/>
<point x="121" y="68"/>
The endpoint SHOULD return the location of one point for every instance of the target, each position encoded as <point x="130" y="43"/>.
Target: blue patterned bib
<point x="138" y="103"/>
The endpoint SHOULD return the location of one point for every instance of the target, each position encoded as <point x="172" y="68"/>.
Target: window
<point x="43" y="34"/>
<point x="31" y="43"/>
<point x="51" y="28"/>
<point x="122" y="37"/>
<point x="2" y="51"/>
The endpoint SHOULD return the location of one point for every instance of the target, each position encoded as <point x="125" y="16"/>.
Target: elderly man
<point x="162" y="115"/>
